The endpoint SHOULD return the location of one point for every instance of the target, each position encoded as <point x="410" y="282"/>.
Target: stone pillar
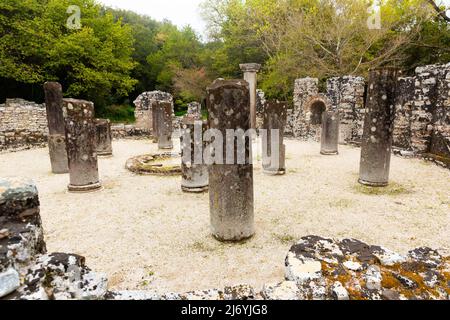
<point x="330" y="133"/>
<point x="231" y="185"/>
<point x="378" y="127"/>
<point x="274" y="118"/>
<point x="193" y="169"/>
<point x="81" y="146"/>
<point x="21" y="233"/>
<point x="103" y="137"/>
<point x="55" y="119"/>
<point x="163" y="125"/>
<point x="250" y="75"/>
<point x="195" y="110"/>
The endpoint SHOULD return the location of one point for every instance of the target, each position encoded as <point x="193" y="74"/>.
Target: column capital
<point x="250" y="67"/>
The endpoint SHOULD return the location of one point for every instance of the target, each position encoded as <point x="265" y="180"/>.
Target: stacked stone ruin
<point x="422" y="121"/>
<point x="23" y="124"/>
<point x="103" y="137"/>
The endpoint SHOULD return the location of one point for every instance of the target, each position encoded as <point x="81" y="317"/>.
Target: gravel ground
<point x="146" y="234"/>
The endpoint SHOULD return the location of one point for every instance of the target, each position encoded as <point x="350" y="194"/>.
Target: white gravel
<point x="146" y="234"/>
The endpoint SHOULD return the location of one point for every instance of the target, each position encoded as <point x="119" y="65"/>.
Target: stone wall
<point x="422" y="123"/>
<point x="343" y="93"/>
<point x="22" y="124"/>
<point x="347" y="95"/>
<point x="144" y="104"/>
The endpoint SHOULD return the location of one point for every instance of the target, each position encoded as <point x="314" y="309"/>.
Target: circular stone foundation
<point x="161" y="164"/>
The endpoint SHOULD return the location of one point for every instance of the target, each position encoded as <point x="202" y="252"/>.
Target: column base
<point x="105" y="154"/>
<point x="243" y="239"/>
<point x="281" y="172"/>
<point x="195" y="189"/>
<point x="373" y="184"/>
<point x="326" y="153"/>
<point x="85" y="189"/>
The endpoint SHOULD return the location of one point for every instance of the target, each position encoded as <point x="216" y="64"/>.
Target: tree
<point x="93" y="62"/>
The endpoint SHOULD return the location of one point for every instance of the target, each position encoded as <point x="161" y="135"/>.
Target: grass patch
<point x="284" y="238"/>
<point x="393" y="189"/>
<point x="341" y="203"/>
<point x="117" y="114"/>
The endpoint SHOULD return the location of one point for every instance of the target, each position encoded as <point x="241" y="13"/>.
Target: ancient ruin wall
<point x="22" y="124"/>
<point x="347" y="95"/>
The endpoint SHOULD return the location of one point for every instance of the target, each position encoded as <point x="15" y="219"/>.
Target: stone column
<point x="21" y="233"/>
<point x="81" y="146"/>
<point x="162" y="113"/>
<point x="103" y="137"/>
<point x="195" y="110"/>
<point x="230" y="185"/>
<point x="274" y="118"/>
<point x="378" y="127"/>
<point x="55" y="119"/>
<point x="330" y="133"/>
<point x="250" y="75"/>
<point x="194" y="170"/>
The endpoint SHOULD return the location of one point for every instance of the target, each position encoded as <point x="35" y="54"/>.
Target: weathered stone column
<point x="103" y="137"/>
<point x="162" y="113"/>
<point x="274" y="156"/>
<point x="194" y="170"/>
<point x="230" y="185"/>
<point x="250" y="75"/>
<point x="330" y="133"/>
<point x="195" y="110"/>
<point x="55" y="119"/>
<point x="378" y="127"/>
<point x="81" y="146"/>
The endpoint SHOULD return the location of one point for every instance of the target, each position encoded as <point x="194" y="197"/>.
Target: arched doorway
<point x="317" y="108"/>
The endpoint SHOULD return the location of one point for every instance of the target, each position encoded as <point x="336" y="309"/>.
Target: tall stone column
<point x="55" y="119"/>
<point x="162" y="113"/>
<point x="230" y="184"/>
<point x="103" y="137"/>
<point x="378" y="127"/>
<point x="250" y="75"/>
<point x="330" y="133"/>
<point x="81" y="146"/>
<point x="194" y="170"/>
<point x="274" y="156"/>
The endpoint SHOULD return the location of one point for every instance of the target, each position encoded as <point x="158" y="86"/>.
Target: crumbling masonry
<point x="422" y="117"/>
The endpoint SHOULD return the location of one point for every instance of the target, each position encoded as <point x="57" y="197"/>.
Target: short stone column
<point x="195" y="110"/>
<point x="55" y="119"/>
<point x="274" y="150"/>
<point x="163" y="125"/>
<point x="21" y="233"/>
<point x="194" y="170"/>
<point x="103" y="137"/>
<point x="330" y="133"/>
<point x="81" y="146"/>
<point x="378" y="127"/>
<point x="230" y="184"/>
<point x="250" y="75"/>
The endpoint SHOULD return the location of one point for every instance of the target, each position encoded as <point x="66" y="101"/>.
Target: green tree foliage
<point x="322" y="38"/>
<point x="93" y="62"/>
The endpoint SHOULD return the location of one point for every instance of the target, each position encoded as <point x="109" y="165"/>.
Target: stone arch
<point x="315" y="107"/>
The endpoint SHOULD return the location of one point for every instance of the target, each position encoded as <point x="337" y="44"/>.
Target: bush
<point x="117" y="113"/>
